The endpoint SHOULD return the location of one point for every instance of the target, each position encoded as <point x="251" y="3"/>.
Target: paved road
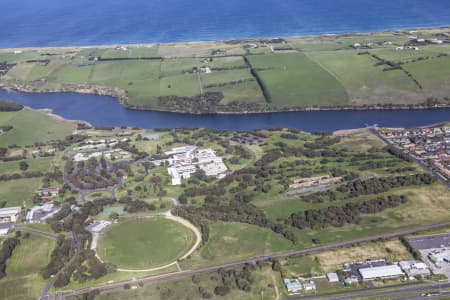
<point x="361" y="294"/>
<point x="36" y="231"/>
<point x="51" y="283"/>
<point x="305" y="251"/>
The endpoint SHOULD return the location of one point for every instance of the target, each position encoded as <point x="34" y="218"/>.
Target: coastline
<point x="193" y="42"/>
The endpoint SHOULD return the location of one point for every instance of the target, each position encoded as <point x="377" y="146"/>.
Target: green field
<point x="23" y="281"/>
<point x="144" y="243"/>
<point x="16" y="192"/>
<point x="235" y="241"/>
<point x="294" y="80"/>
<point x="30" y="126"/>
<point x="432" y="74"/>
<point x="297" y="72"/>
<point x="364" y="82"/>
<point x="41" y="164"/>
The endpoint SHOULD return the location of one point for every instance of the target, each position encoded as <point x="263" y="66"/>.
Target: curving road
<point x="305" y="251"/>
<point x="36" y="231"/>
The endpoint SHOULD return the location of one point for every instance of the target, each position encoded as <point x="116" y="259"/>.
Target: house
<point x="332" y="277"/>
<point x="309" y="286"/>
<point x="48" y="192"/>
<point x="98" y="226"/>
<point x="9" y="214"/>
<point x="292" y="285"/>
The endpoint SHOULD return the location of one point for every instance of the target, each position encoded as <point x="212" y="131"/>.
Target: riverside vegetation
<point x="366" y="71"/>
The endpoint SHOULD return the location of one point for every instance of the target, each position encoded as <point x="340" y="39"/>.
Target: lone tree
<point x="23" y="166"/>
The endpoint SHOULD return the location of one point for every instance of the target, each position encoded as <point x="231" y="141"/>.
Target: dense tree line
<point x="398" y="153"/>
<point x="233" y="212"/>
<point x="339" y="216"/>
<point x="380" y="185"/>
<point x="61" y="254"/>
<point x="196" y="104"/>
<point x="6" y="251"/>
<point x="132" y="206"/>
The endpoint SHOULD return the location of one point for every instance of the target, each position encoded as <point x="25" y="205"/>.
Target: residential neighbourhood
<point x="431" y="145"/>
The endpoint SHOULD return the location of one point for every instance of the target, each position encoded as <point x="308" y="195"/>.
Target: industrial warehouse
<point x="8" y="218"/>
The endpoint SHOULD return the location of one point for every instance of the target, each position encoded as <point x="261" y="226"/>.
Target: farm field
<point x="156" y="242"/>
<point x="23" y="280"/>
<point x="294" y="80"/>
<point x="250" y="75"/>
<point x="16" y="192"/>
<point x="30" y="126"/>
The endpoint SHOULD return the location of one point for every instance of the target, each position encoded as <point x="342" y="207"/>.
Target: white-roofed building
<point x="332" y="277"/>
<point x="292" y="285"/>
<point x="382" y="272"/>
<point x="442" y="255"/>
<point x="414" y="268"/>
<point x="98" y="226"/>
<point x="9" y="214"/>
<point x="185" y="161"/>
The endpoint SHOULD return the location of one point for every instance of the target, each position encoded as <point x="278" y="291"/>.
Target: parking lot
<point x="430" y="241"/>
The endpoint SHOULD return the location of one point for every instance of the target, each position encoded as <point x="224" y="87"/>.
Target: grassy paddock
<point x="23" y="280"/>
<point x="293" y="79"/>
<point x="144" y="243"/>
<point x="30" y="126"/>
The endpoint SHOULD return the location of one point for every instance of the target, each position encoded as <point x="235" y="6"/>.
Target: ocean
<point x="35" y="23"/>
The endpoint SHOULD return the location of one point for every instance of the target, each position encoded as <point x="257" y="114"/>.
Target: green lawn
<point x="365" y="83"/>
<point x="31" y="126"/>
<point x="235" y="241"/>
<point x="295" y="80"/>
<point x="248" y="92"/>
<point x="433" y="74"/>
<point x="23" y="281"/>
<point x="144" y="243"/>
<point x="16" y="192"/>
<point x="41" y="164"/>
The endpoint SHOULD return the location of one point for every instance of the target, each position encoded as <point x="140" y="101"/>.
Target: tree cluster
<point x="338" y="216"/>
<point x="6" y="251"/>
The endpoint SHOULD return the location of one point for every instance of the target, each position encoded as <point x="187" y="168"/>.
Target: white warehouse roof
<point x="380" y="272"/>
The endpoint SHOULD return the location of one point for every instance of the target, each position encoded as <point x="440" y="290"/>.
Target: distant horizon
<point x="28" y="24"/>
<point x="224" y="40"/>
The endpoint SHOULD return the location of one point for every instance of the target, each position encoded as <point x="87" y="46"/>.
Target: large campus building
<point x="185" y="161"/>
